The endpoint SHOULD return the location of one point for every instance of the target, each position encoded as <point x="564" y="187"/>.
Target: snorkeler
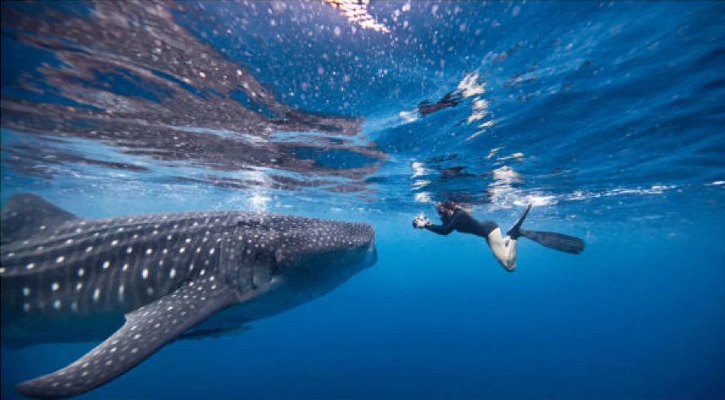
<point x="456" y="218"/>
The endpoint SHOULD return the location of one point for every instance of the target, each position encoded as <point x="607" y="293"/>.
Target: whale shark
<point x="138" y="283"/>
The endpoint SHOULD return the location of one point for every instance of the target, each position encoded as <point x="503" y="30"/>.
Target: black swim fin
<point x="515" y="230"/>
<point x="556" y="241"/>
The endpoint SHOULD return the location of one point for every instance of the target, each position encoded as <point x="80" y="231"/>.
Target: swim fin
<point x="515" y="230"/>
<point x="556" y="241"/>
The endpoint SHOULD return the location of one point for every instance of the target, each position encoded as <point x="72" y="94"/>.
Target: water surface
<point x="607" y="116"/>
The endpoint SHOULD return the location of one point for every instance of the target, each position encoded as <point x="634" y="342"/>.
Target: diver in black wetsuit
<point x="456" y="218"/>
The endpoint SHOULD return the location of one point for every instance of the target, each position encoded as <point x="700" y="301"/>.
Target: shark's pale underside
<point x="140" y="282"/>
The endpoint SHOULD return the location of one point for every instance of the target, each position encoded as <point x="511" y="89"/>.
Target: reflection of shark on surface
<point x="471" y="85"/>
<point x="69" y="279"/>
<point x="451" y="99"/>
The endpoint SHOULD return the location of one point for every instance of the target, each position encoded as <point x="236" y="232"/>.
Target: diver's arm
<point x="446" y="228"/>
<point x="422" y="222"/>
<point x="440" y="229"/>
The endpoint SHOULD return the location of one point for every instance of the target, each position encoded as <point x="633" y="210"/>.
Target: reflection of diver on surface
<point x="451" y="99"/>
<point x="454" y="217"/>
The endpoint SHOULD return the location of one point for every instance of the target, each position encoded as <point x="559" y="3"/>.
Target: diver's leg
<point x="504" y="249"/>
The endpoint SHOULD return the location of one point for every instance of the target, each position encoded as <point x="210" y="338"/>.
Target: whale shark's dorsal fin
<point x="25" y="215"/>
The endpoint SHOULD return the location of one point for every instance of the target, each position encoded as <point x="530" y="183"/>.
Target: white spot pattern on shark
<point x="109" y="269"/>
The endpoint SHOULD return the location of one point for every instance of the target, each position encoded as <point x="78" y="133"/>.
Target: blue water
<point x="608" y="116"/>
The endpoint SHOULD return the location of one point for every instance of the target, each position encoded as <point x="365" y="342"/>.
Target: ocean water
<point x="609" y="117"/>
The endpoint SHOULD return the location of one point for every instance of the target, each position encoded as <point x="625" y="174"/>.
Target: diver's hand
<point x="421" y="221"/>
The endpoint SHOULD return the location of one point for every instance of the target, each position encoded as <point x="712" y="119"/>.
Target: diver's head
<point x="446" y="208"/>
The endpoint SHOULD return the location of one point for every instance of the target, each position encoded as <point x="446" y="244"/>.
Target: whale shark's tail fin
<point x="556" y="241"/>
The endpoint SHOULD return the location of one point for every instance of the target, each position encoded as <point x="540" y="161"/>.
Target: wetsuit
<point x="463" y="222"/>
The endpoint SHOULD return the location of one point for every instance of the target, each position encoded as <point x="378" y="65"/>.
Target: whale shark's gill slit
<point x="112" y="282"/>
<point x="64" y="295"/>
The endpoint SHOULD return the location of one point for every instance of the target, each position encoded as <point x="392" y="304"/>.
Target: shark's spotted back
<point x="65" y="278"/>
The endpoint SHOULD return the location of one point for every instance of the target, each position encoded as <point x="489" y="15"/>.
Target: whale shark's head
<point x="325" y="251"/>
<point x="298" y="258"/>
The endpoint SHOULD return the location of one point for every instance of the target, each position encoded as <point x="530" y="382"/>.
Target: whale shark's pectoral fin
<point x="146" y="330"/>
